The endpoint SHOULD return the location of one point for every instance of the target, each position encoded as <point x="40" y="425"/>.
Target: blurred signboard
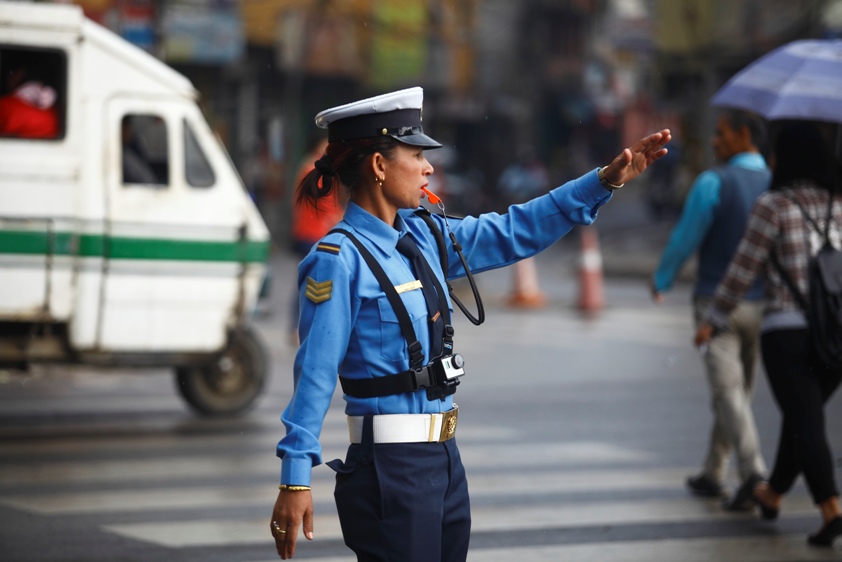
<point x="133" y="20"/>
<point x="689" y="26"/>
<point x="202" y="31"/>
<point x="398" y="43"/>
<point x="101" y="11"/>
<point x="311" y="37"/>
<point x="137" y="23"/>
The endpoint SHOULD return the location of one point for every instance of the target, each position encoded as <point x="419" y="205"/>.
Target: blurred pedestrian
<point x="787" y="226"/>
<point x="375" y="311"/>
<point x="311" y="220"/>
<point x="712" y="223"/>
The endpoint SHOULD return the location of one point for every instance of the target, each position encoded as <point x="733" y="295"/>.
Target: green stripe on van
<point x="27" y="242"/>
<point x="91" y="245"/>
<point x="156" y="249"/>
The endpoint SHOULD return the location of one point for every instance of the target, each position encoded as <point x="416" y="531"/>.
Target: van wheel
<point x="230" y="384"/>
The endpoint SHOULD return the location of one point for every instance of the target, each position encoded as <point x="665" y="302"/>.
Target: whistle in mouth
<point x="434" y="199"/>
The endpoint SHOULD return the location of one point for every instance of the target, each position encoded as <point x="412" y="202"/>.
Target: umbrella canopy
<point x="800" y="80"/>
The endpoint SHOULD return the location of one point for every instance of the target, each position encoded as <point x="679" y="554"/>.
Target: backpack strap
<point x="799" y="297"/>
<point x="811" y="220"/>
<point x="828" y="217"/>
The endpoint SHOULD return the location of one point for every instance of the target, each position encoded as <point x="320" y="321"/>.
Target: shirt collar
<point x="384" y="236"/>
<point x="752" y="160"/>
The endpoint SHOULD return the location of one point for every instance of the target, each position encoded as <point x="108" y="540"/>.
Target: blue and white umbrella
<point x="800" y="80"/>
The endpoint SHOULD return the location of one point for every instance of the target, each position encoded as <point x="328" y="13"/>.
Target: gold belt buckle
<point x="448" y="424"/>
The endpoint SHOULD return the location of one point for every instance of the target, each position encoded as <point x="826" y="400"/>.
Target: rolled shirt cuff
<point x="589" y="184"/>
<point x="296" y="472"/>
<point x="581" y="198"/>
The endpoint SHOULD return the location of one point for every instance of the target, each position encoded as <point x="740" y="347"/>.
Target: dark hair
<point x="756" y="125"/>
<point x="802" y="153"/>
<point x="342" y="160"/>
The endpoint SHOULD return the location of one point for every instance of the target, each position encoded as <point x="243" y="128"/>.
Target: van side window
<point x="145" y="158"/>
<point x="33" y="93"/>
<point x="197" y="168"/>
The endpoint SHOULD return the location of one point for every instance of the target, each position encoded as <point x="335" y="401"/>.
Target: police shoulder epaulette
<point x="328" y="247"/>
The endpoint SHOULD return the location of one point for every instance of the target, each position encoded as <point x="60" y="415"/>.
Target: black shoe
<point x="743" y="498"/>
<point x="703" y="486"/>
<point x="827" y="533"/>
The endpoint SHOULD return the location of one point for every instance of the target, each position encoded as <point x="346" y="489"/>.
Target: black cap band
<point x="396" y="123"/>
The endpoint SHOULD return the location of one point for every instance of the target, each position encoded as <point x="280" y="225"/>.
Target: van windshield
<point x="198" y="170"/>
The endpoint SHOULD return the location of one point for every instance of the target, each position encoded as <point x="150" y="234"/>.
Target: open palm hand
<point x="632" y="161"/>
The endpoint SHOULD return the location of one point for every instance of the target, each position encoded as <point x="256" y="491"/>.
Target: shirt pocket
<point x="393" y="345"/>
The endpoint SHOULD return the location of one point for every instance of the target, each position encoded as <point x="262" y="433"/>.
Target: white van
<point x="126" y="236"/>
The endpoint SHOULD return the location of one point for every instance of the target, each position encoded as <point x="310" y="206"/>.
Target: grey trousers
<point x="731" y="362"/>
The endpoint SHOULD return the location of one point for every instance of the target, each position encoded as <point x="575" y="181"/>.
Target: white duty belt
<point x="407" y="428"/>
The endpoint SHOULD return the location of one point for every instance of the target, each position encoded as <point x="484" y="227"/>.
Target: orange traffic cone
<point x="526" y="292"/>
<point x="591" y="296"/>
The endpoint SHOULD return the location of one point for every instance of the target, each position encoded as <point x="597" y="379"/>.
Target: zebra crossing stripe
<point x="760" y="548"/>
<point x="216" y="532"/>
<point x="482" y="485"/>
<point x="552" y="457"/>
<point x="746" y="549"/>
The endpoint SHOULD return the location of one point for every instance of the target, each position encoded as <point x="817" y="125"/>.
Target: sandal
<point x="767" y="512"/>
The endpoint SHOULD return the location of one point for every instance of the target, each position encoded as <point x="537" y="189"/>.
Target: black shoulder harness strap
<point x="416" y="377"/>
<point x="416" y="357"/>
<point x="437" y="234"/>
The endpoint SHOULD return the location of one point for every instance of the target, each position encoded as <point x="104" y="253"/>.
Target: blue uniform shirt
<point x="696" y="219"/>
<point x="355" y="332"/>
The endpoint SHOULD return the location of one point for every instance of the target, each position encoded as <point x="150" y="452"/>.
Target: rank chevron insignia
<point x="318" y="291"/>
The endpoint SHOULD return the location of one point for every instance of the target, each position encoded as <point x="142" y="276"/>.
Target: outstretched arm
<point x="634" y="160"/>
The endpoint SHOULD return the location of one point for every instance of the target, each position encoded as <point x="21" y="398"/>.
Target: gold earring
<point x="380" y="182"/>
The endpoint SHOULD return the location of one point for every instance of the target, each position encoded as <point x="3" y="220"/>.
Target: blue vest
<point x="740" y="188"/>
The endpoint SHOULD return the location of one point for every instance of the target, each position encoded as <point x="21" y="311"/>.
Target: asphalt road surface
<point x="577" y="434"/>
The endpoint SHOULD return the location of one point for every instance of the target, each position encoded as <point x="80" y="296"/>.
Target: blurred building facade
<point x="700" y="44"/>
<point x="567" y="80"/>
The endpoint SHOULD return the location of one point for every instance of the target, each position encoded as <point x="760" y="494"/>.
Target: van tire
<point x="230" y="384"/>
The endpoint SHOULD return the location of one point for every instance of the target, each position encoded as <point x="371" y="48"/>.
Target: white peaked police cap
<point x="396" y="114"/>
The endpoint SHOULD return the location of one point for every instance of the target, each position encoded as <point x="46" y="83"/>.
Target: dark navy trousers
<point x="404" y="502"/>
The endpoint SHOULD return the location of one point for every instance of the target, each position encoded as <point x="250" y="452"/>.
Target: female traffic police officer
<point x="374" y="310"/>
